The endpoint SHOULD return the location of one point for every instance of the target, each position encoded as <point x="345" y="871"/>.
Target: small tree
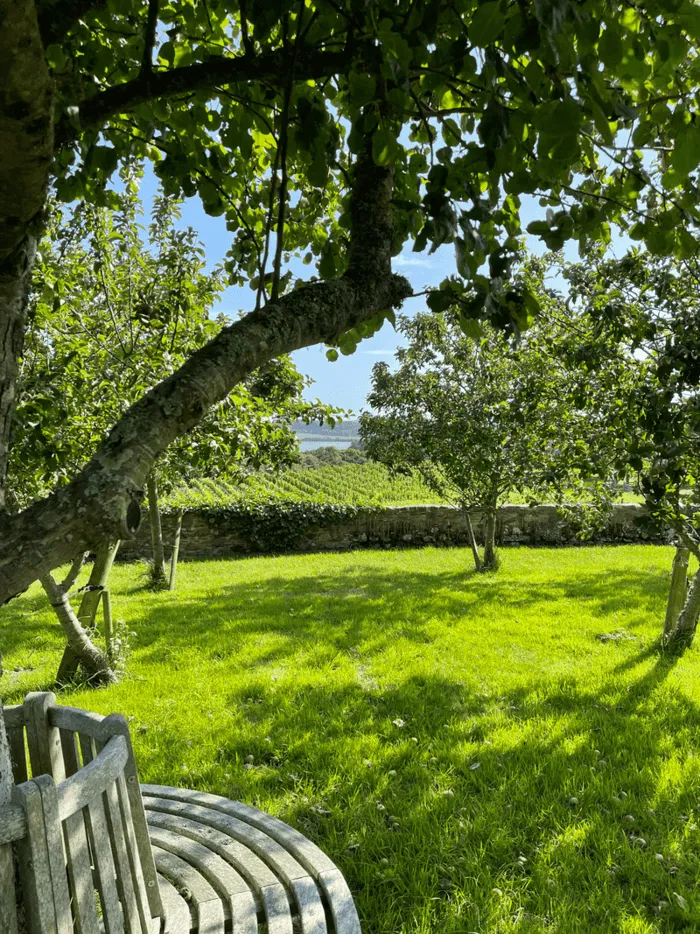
<point x="479" y="419"/>
<point x="641" y="314"/>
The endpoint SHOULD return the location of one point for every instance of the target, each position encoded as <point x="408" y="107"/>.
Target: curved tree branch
<point x="222" y="71"/>
<point x="102" y="502"/>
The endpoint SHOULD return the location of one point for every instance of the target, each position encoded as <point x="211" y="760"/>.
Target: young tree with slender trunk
<point x="480" y="419"/>
<point x="339" y="132"/>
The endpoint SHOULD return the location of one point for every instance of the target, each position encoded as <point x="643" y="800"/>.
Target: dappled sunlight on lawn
<point x="493" y="753"/>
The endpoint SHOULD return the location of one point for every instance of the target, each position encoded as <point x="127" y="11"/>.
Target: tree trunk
<point x="678" y="590"/>
<point x="688" y="620"/>
<point x="158" y="568"/>
<point x="176" y="549"/>
<point x="472" y="540"/>
<point x="15" y="278"/>
<point x="26" y="144"/>
<point x="490" y="541"/>
<point x="103" y="500"/>
<point x="89" y="604"/>
<point x="8" y="911"/>
<point x="86" y="653"/>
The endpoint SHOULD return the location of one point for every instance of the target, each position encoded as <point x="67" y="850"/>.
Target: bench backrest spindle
<point x="85" y="858"/>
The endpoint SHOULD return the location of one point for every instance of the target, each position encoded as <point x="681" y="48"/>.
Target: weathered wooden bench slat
<point x="104" y="867"/>
<point x="18" y="755"/>
<point x="301" y="887"/>
<point x="137" y="868"/>
<point x="207" y="907"/>
<point x="135" y="920"/>
<point x="282" y="864"/>
<point x="269" y="894"/>
<point x="79" y="865"/>
<point x="54" y="847"/>
<point x="13" y="823"/>
<point x="238" y="901"/>
<point x="33" y="858"/>
<point x="90" y="782"/>
<point x="69" y="745"/>
<point x="178" y="919"/>
<point x="269" y="838"/>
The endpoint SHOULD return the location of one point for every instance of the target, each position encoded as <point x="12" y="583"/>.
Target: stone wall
<point x="398" y="526"/>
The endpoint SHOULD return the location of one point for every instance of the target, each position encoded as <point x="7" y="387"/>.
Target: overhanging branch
<point x="225" y="70"/>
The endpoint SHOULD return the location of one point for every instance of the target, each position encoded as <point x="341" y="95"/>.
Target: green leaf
<point x="610" y="48"/>
<point x="439" y="301"/>
<point x="383" y="146"/>
<point x="363" y="88"/>
<point x="487" y="23"/>
<point x="686" y="150"/>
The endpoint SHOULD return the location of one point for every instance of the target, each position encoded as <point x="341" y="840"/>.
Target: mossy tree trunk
<point x="82" y="648"/>
<point x="490" y="540"/>
<point x="87" y="612"/>
<point x="158" y="566"/>
<point x="684" y="631"/>
<point x="678" y="591"/>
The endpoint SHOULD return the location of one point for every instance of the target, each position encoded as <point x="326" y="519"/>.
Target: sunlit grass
<point x="466" y="747"/>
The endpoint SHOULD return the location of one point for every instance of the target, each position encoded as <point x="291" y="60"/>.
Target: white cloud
<point x="404" y="260"/>
<point x="378" y="353"/>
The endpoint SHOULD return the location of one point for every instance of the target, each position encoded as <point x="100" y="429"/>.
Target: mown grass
<point x="466" y="747"/>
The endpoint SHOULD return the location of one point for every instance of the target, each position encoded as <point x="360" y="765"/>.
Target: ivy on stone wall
<point x="277" y="525"/>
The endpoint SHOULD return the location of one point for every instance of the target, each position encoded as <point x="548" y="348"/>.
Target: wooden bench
<point x="97" y="852"/>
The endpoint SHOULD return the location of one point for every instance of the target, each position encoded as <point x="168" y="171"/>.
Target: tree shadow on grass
<point x="448" y="810"/>
<point x="371" y="608"/>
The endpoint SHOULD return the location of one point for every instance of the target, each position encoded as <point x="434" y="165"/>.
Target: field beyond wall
<point x="479" y="753"/>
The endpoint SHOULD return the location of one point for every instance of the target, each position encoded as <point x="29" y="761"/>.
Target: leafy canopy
<point x="587" y="106"/>
<point x="479" y="420"/>
<point x="115" y="309"/>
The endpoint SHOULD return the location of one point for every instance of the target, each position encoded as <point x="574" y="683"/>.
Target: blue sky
<point x="346" y="381"/>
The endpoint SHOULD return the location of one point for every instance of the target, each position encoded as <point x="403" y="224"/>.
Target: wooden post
<point x="176" y="549"/>
<point x="107" y="610"/>
<point x="8" y="905"/>
<point x="472" y="539"/>
<point x="678" y="590"/>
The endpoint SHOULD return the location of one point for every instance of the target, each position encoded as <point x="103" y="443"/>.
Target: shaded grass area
<point x="466" y="747"/>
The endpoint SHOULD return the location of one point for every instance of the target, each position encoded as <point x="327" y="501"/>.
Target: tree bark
<point x="103" y="501"/>
<point x="26" y="144"/>
<point x="678" y="590"/>
<point x="176" y="550"/>
<point x="158" y="569"/>
<point x="76" y="567"/>
<point x="8" y="910"/>
<point x="688" y="620"/>
<point x="490" y="541"/>
<point x="89" y="656"/>
<point x="87" y="612"/>
<point x="472" y="540"/>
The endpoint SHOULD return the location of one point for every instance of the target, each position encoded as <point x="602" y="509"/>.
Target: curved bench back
<point x="86" y="863"/>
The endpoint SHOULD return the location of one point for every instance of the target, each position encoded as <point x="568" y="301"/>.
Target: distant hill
<point x="347" y="431"/>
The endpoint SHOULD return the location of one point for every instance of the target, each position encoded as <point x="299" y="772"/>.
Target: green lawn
<point x="469" y="751"/>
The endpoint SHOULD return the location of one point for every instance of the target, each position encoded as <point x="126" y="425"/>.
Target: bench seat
<point x="238" y="867"/>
